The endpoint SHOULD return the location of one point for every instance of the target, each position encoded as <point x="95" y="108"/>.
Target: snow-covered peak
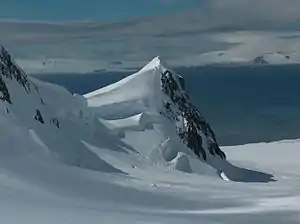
<point x="156" y="62"/>
<point x="160" y="92"/>
<point x="153" y="97"/>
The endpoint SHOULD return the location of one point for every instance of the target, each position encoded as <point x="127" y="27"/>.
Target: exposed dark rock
<point x="55" y="122"/>
<point x="39" y="117"/>
<point x="5" y="93"/>
<point x="9" y="69"/>
<point x="260" y="60"/>
<point x="193" y="127"/>
<point x="38" y="92"/>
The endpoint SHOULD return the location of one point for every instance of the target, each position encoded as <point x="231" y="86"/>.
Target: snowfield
<point x="116" y="156"/>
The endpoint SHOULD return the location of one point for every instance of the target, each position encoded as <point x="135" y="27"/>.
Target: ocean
<point x="242" y="104"/>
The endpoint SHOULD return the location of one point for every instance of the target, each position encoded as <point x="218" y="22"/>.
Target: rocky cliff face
<point x="191" y="127"/>
<point x="11" y="73"/>
<point x="10" y="70"/>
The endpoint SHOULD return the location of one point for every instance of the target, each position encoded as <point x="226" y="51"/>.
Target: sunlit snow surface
<point x="102" y="169"/>
<point x="37" y="192"/>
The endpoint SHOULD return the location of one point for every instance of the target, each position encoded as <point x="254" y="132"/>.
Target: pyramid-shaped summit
<point x="156" y="89"/>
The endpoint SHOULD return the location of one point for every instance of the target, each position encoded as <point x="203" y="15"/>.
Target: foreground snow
<point x="37" y="192"/>
<point x="114" y="156"/>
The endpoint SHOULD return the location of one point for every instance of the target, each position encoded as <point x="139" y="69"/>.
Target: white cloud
<point x="253" y="13"/>
<point x="188" y="37"/>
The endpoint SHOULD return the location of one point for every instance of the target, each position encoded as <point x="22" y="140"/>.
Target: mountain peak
<point x="259" y="60"/>
<point x="160" y="92"/>
<point x="156" y="62"/>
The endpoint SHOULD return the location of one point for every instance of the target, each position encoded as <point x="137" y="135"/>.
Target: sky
<point x="45" y="36"/>
<point x="56" y="10"/>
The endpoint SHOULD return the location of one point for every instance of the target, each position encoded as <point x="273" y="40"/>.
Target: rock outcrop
<point x="10" y="72"/>
<point x="190" y="124"/>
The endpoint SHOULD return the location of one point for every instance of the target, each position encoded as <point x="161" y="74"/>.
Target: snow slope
<point x="154" y="112"/>
<point x="44" y="116"/>
<point x="117" y="157"/>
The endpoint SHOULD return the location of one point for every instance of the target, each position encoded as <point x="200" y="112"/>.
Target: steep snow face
<point x="44" y="120"/>
<point x="160" y="93"/>
<point x="132" y="95"/>
<point x="27" y="96"/>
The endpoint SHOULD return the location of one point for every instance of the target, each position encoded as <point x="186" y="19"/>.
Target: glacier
<point x="136" y="151"/>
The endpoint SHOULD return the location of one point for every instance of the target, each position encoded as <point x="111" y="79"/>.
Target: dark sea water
<point x="242" y="104"/>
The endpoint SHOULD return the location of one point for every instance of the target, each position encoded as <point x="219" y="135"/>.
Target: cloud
<point x="228" y="15"/>
<point x="252" y="13"/>
<point x="183" y="38"/>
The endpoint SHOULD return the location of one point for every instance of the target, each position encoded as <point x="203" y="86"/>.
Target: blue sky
<point x="89" y="9"/>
